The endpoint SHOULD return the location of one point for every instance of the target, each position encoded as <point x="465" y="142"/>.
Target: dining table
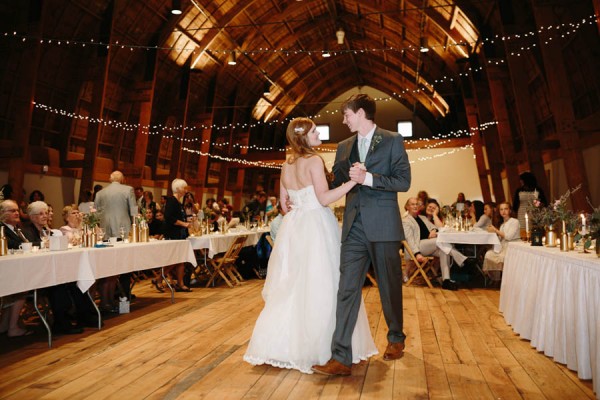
<point x="217" y="242"/>
<point x="23" y="272"/>
<point x="552" y="298"/>
<point x="447" y="237"/>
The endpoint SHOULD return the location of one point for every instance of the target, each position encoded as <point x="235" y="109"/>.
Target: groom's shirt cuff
<point x="368" y="179"/>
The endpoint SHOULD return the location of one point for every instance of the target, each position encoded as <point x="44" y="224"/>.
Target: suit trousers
<point x="428" y="247"/>
<point x="357" y="254"/>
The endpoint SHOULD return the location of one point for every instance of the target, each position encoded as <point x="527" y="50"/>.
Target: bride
<point x="295" y="327"/>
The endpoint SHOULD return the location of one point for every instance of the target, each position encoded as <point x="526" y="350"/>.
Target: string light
<point x="154" y="130"/>
<point x="555" y="30"/>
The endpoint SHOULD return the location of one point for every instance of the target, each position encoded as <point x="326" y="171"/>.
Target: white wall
<point x="441" y="172"/>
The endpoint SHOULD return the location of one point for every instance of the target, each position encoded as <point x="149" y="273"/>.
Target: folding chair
<point x="422" y="268"/>
<point x="224" y="266"/>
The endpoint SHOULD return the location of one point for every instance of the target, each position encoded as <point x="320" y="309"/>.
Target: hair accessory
<point x="299" y="129"/>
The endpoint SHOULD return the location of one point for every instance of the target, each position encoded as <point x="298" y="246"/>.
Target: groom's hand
<point x="358" y="172"/>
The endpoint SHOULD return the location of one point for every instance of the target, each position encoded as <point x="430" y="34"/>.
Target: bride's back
<point x="297" y="175"/>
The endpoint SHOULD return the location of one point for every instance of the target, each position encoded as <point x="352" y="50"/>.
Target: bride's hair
<point x="296" y="134"/>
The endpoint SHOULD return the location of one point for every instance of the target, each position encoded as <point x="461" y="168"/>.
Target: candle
<point x="526" y="223"/>
<point x="583" y="227"/>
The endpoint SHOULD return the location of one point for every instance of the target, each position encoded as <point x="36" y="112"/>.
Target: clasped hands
<point x="358" y="172"/>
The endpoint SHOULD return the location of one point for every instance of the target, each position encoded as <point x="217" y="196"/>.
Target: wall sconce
<point x="176" y="7"/>
<point x="232" y="60"/>
<point x="424" y="48"/>
<point x="340" y="34"/>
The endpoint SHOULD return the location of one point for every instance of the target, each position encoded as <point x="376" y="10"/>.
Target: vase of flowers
<point x="536" y="214"/>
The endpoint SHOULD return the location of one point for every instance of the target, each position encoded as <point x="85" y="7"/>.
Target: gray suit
<point x="371" y="234"/>
<point x="116" y="204"/>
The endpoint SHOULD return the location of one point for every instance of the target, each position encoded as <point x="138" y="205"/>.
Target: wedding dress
<point x="295" y="328"/>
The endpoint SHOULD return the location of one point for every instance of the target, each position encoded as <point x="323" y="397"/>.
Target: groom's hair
<point x="358" y="101"/>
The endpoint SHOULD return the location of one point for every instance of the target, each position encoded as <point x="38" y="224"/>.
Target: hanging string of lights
<point x="153" y="130"/>
<point x="234" y="160"/>
<point x="559" y="30"/>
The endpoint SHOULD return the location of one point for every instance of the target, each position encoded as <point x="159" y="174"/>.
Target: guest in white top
<point x="509" y="231"/>
<point x="72" y="228"/>
<point x="481" y="214"/>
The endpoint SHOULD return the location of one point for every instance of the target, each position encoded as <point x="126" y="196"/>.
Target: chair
<point x="224" y="266"/>
<point x="257" y="272"/>
<point x="422" y="267"/>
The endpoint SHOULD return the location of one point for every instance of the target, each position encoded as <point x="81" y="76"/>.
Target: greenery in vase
<point x="592" y="231"/>
<point x="92" y="219"/>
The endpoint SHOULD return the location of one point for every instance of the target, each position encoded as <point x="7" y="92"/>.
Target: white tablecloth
<point x="445" y="239"/>
<point x="217" y="243"/>
<point x="24" y="272"/>
<point x="553" y="299"/>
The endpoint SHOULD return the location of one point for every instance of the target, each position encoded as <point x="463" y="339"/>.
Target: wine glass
<point x="122" y="233"/>
<point x="45" y="238"/>
<point x="99" y="234"/>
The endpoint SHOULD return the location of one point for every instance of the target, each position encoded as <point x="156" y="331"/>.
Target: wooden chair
<point x="224" y="266"/>
<point x="422" y="267"/>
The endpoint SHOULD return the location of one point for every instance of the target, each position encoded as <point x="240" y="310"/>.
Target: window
<point x="405" y="128"/>
<point x="323" y="132"/>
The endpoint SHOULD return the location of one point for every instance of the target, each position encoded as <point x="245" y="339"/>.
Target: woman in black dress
<point x="176" y="226"/>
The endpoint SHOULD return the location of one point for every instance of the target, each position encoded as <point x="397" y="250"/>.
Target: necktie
<point x="362" y="149"/>
<point x="21" y="236"/>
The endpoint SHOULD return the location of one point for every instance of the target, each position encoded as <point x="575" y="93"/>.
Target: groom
<point x="372" y="228"/>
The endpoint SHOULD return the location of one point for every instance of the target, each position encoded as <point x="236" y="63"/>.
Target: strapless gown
<point x="295" y="328"/>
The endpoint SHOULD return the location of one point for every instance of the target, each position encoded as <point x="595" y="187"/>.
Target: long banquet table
<point x="36" y="270"/>
<point x="552" y="298"/>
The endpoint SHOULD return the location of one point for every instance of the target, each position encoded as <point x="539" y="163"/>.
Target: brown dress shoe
<point x="393" y="351"/>
<point x="333" y="367"/>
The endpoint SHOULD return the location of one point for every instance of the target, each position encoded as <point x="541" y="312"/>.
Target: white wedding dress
<point x="295" y="328"/>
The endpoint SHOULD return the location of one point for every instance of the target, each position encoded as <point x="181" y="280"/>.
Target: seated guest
<point x="12" y="305"/>
<point x="156" y="228"/>
<point x="509" y="231"/>
<point x="432" y="213"/>
<point x="421" y="237"/>
<point x="148" y="201"/>
<point x="85" y="202"/>
<point x="61" y="297"/>
<point x="481" y="214"/>
<point x="276" y="223"/>
<point x="72" y="227"/>
<point x="423" y="200"/>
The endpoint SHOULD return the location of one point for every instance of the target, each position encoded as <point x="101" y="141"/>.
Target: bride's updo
<point x="296" y="134"/>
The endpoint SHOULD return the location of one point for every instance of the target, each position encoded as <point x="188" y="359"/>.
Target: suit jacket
<point x="12" y="239"/>
<point x="388" y="162"/>
<point x="32" y="234"/>
<point x="116" y="205"/>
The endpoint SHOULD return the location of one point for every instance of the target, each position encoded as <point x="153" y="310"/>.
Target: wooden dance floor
<point x="458" y="347"/>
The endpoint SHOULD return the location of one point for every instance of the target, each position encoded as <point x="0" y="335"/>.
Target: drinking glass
<point x="45" y="237"/>
<point x="122" y="233"/>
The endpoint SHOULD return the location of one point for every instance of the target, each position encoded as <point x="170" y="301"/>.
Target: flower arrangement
<point x="556" y="211"/>
<point x="592" y="230"/>
<point x="92" y="219"/>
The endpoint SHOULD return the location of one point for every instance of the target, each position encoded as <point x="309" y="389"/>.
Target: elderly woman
<point x="509" y="231"/>
<point x="72" y="227"/>
<point x="176" y="226"/>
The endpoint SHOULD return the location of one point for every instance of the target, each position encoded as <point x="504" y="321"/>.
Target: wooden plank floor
<point x="458" y="347"/>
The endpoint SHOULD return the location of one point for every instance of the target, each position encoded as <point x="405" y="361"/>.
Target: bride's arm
<point x="319" y="181"/>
